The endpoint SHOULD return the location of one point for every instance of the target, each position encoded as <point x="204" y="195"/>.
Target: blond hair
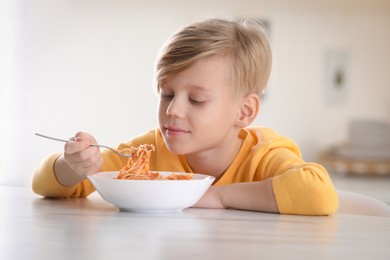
<point x="243" y="43"/>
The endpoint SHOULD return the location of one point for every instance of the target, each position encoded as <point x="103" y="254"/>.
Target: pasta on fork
<point x="138" y="166"/>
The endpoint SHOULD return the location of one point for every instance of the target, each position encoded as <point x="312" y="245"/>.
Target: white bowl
<point x="151" y="195"/>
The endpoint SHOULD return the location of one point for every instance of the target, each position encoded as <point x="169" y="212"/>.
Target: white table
<point x="35" y="228"/>
<point x="377" y="187"/>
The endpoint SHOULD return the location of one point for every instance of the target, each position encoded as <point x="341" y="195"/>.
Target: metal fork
<point x="96" y="145"/>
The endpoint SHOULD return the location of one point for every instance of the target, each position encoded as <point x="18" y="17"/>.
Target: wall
<point x="70" y="65"/>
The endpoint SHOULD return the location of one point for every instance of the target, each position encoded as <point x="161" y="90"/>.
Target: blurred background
<point x="71" y="65"/>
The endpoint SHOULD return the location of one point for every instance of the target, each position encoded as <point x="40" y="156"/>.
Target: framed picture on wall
<point x="336" y="76"/>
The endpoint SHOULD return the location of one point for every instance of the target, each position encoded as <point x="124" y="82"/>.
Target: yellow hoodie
<point x="299" y="187"/>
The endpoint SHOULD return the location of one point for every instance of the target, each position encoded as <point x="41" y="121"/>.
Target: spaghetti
<point x="138" y="166"/>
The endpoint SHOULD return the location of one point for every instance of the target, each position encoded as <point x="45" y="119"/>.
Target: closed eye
<point x="197" y="102"/>
<point x="167" y="97"/>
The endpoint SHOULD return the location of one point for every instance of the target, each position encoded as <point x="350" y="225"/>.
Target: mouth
<point x="175" y="131"/>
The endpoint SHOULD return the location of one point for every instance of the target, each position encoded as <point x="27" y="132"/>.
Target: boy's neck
<point x="215" y="162"/>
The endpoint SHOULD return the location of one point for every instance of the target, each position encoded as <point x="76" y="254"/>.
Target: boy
<point x="209" y="77"/>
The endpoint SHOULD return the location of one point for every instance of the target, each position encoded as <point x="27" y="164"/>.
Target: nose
<point x="175" y="109"/>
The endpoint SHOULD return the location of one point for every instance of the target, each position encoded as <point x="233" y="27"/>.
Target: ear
<point x="249" y="110"/>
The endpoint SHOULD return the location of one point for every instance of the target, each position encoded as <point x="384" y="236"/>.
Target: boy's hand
<point x="211" y="199"/>
<point x="81" y="157"/>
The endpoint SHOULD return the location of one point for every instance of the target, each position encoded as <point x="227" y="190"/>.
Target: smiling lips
<point x="175" y="131"/>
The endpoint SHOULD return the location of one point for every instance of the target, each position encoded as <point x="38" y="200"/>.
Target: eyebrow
<point x="198" y="87"/>
<point x="190" y="86"/>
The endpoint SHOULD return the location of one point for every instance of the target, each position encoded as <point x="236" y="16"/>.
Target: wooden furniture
<point x="354" y="166"/>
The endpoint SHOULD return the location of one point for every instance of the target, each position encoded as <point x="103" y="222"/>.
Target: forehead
<point x="206" y="74"/>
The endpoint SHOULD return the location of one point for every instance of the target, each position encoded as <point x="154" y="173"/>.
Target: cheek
<point x="225" y="109"/>
<point x="227" y="113"/>
<point x="214" y="116"/>
<point x="162" y="108"/>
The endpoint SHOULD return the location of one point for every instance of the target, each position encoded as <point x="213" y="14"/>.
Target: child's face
<point x="197" y="111"/>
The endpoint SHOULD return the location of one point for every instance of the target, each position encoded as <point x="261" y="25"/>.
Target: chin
<point x="171" y="146"/>
<point x="175" y="149"/>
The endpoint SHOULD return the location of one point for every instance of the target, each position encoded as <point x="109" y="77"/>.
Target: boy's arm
<point x="256" y="196"/>
<point x="65" y="174"/>
<point x="45" y="182"/>
<point x="49" y="180"/>
<point x="290" y="184"/>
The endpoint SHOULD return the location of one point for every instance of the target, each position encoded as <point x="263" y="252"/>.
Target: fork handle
<point x="65" y="141"/>
<point x="52" y="138"/>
